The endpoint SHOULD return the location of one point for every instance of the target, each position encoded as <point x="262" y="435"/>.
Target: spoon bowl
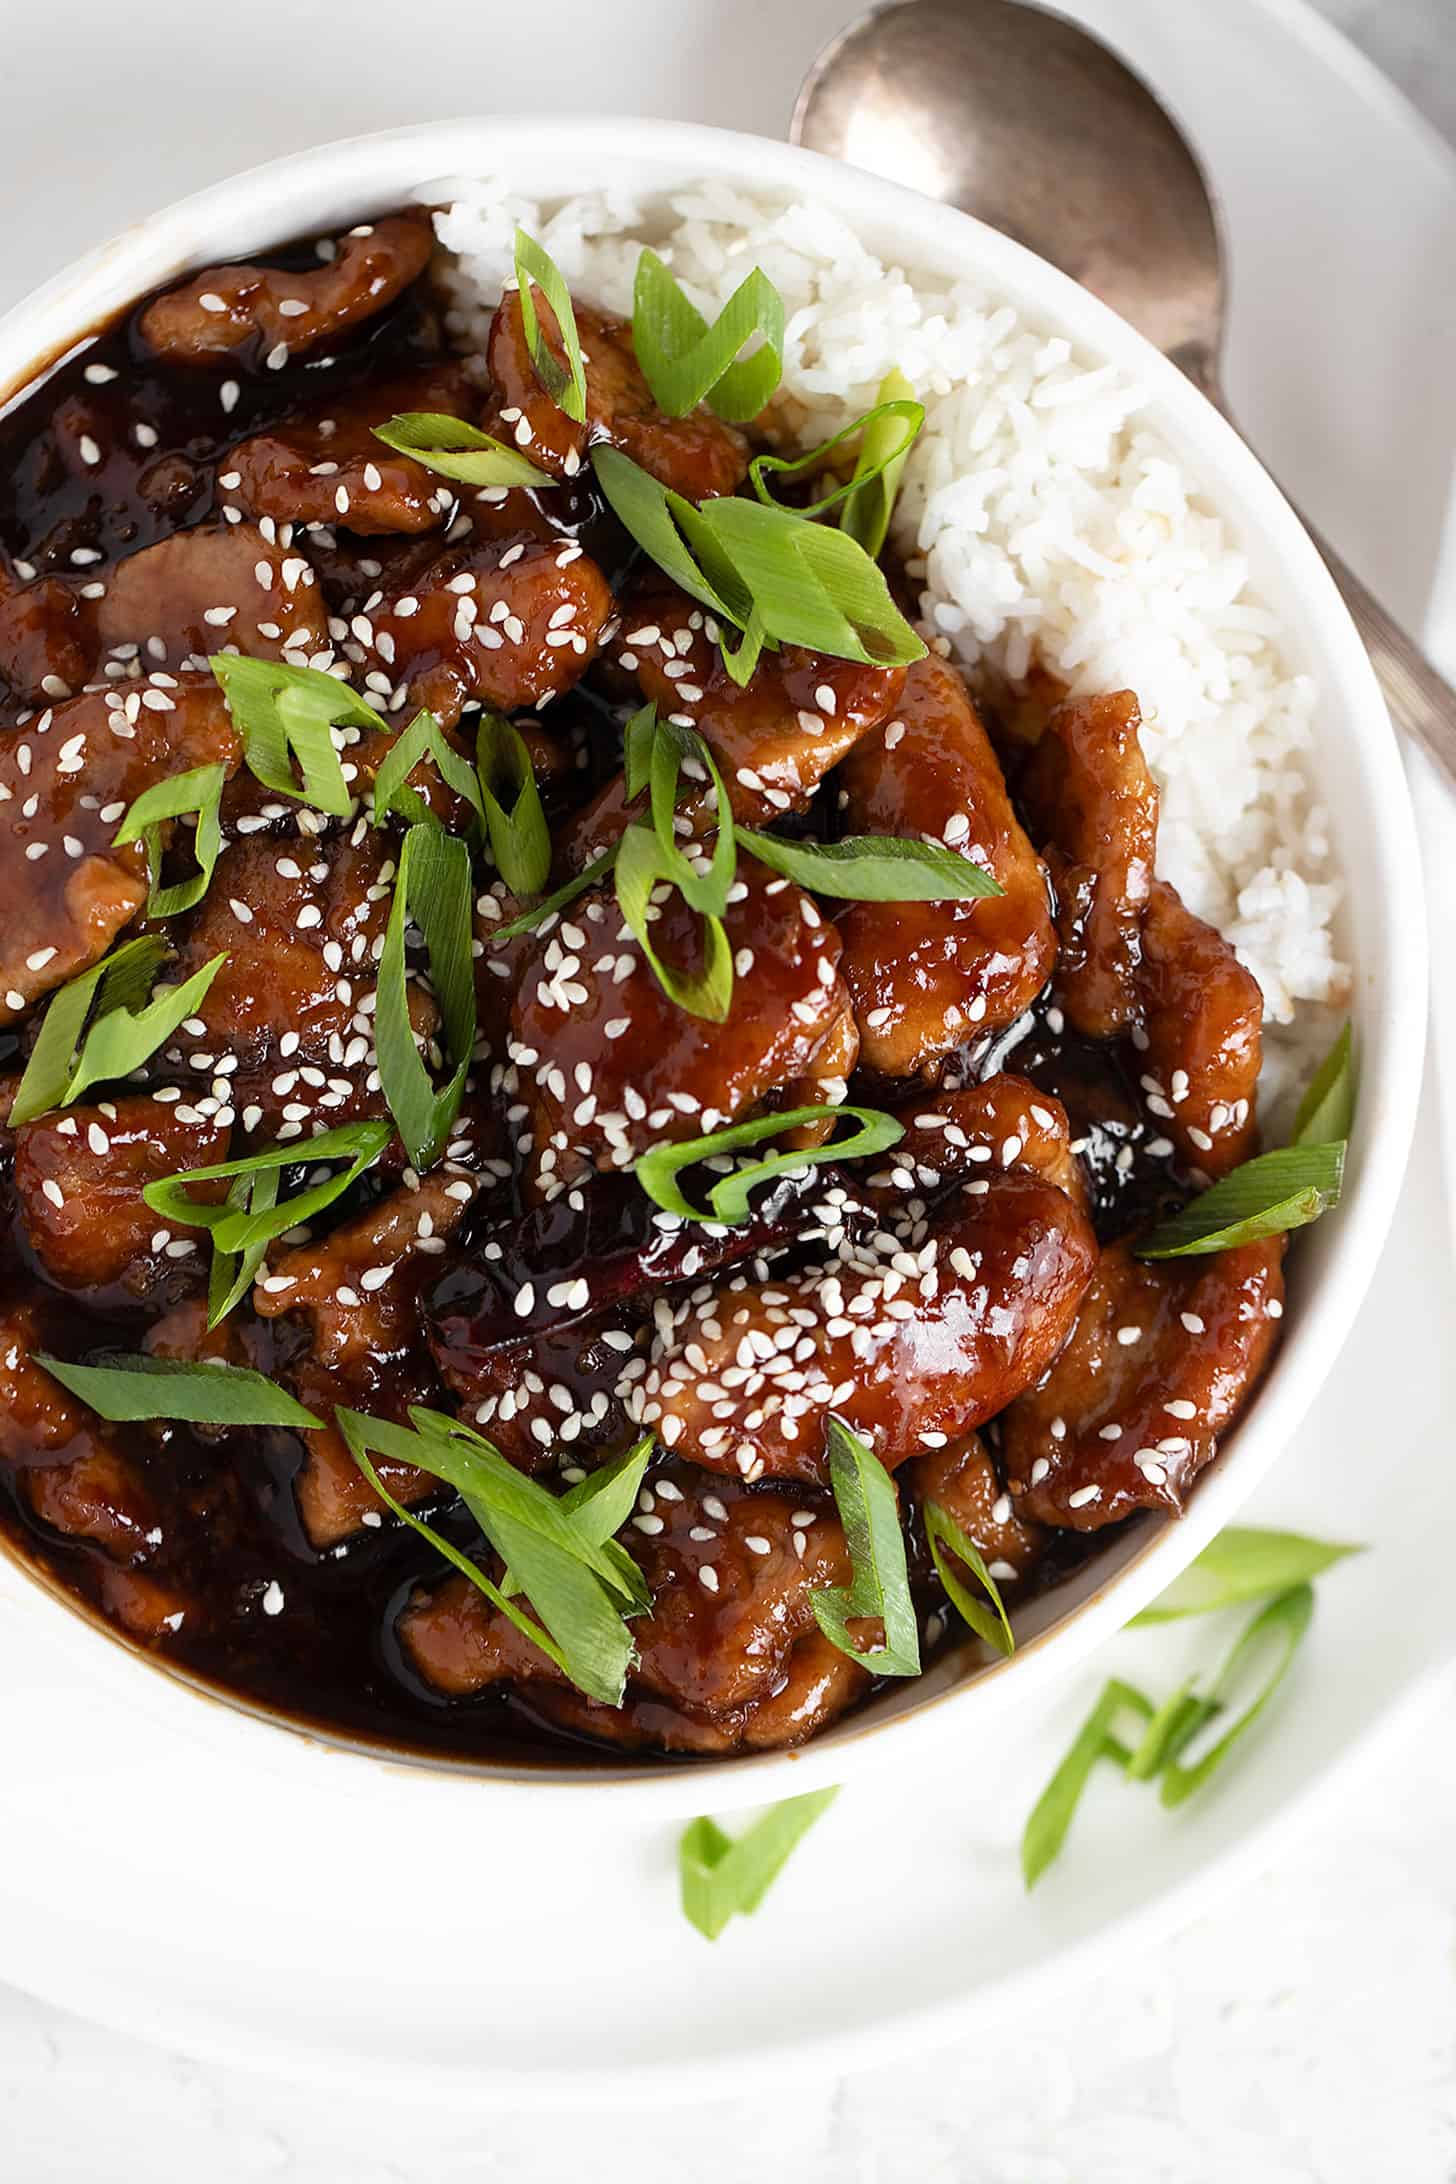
<point x="1017" y="116"/>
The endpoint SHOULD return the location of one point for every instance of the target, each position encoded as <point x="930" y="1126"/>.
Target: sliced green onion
<point x="123" y="1038"/>
<point x="567" y="388"/>
<point x="1053" y="1813"/>
<point x="706" y="892"/>
<point x="232" y="1273"/>
<point x="889" y="431"/>
<point x="1282" y="1624"/>
<point x="433" y="890"/>
<point x="250" y="1218"/>
<point x="638" y="737"/>
<point x="673" y="533"/>
<point x="942" y="1531"/>
<point x="705" y="992"/>
<point x="811" y="585"/>
<point x="873" y="868"/>
<point x="723" y="1879"/>
<point x="1262" y="1197"/>
<point x="685" y="361"/>
<point x="728" y="1201"/>
<point x="199" y="790"/>
<point x="880" y="1585"/>
<point x="597" y="1507"/>
<point x="458" y="450"/>
<point x="284" y="715"/>
<point x="569" y="1579"/>
<point x="133" y="1387"/>
<point x="866" y="512"/>
<point x="126" y="973"/>
<point x="1328" y="1108"/>
<point x="122" y="1034"/>
<point x="1174" y="1725"/>
<point x="1243" y="1563"/>
<point x="530" y="919"/>
<point x="520" y="841"/>
<point x="424" y="738"/>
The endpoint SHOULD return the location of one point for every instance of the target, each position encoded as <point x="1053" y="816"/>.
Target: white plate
<point x="213" y="1925"/>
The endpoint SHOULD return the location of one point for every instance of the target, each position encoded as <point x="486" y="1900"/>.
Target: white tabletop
<point x="1303" y="2033"/>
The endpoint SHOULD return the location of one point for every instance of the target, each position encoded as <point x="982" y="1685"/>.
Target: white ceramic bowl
<point x="1360" y="778"/>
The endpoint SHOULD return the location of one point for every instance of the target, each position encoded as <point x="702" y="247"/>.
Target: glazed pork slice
<point x="1200" y="1037"/>
<point x="925" y="976"/>
<point x="501" y="623"/>
<point x="778" y="736"/>
<point x="286" y="1029"/>
<point x="79" y="1177"/>
<point x="324" y="465"/>
<point x="1092" y="808"/>
<point x="1163" y="1356"/>
<point x="1003" y="1122"/>
<point x="219" y="587"/>
<point x="608" y="1065"/>
<point x="359" y="1289"/>
<point x="962" y="1480"/>
<point x="48" y="639"/>
<point x="70" y="1474"/>
<point x="259" y="317"/>
<point x="730" y="1654"/>
<point x="67" y="779"/>
<point x="905" y="1338"/>
<point x="697" y="455"/>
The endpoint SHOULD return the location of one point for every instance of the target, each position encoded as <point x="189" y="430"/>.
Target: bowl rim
<point x="369" y="173"/>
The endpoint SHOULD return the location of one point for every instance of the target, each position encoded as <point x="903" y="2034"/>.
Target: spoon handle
<point x="1422" y="703"/>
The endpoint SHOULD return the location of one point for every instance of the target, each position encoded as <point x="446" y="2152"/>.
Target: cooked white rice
<point x="1049" y="520"/>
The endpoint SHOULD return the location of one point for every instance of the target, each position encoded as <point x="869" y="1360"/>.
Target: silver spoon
<point x="1026" y="120"/>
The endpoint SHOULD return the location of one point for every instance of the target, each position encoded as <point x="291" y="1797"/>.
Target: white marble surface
<point x="1302" y="2032"/>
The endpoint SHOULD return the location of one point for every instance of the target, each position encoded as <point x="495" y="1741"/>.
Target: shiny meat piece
<point x="1003" y="1122"/>
<point x="324" y="465"/>
<point x="71" y="1475"/>
<point x="609" y="1065"/>
<point x="697" y="455"/>
<point x="260" y="317"/>
<point x="509" y="625"/>
<point x="901" y="1338"/>
<point x="1161" y="1360"/>
<point x="776" y="738"/>
<point x="289" y="1005"/>
<point x="731" y="1574"/>
<point x="219" y="587"/>
<point x="1200" y="1040"/>
<point x="360" y="1288"/>
<point x="555" y="1396"/>
<point x="962" y="1480"/>
<point x="825" y="1083"/>
<point x="47" y="640"/>
<point x="79" y="1176"/>
<point x="66" y="781"/>
<point x="819" y="1683"/>
<point x="1092" y="808"/>
<point x="926" y="975"/>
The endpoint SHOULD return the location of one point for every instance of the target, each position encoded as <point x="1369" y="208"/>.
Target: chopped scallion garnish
<point x="1244" y="1563"/>
<point x="874" y="867"/>
<point x="1262" y="1197"/>
<point x="728" y="1201"/>
<point x="706" y="892"/>
<point x="685" y="361"/>
<point x="528" y="920"/>
<point x="706" y="991"/>
<point x="199" y="790"/>
<point x="880" y="1586"/>
<point x="284" y="715"/>
<point x="431" y="891"/>
<point x="566" y="387"/>
<point x="887" y="432"/>
<point x="520" y="841"/>
<point x="724" y="1878"/>
<point x="1053" y="1813"/>
<point x="1328" y="1107"/>
<point x="424" y="738"/>
<point x="870" y="502"/>
<point x="1282" y="1625"/>
<point x="946" y="1538"/>
<point x="125" y="1028"/>
<point x="459" y="450"/>
<point x="131" y="1387"/>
